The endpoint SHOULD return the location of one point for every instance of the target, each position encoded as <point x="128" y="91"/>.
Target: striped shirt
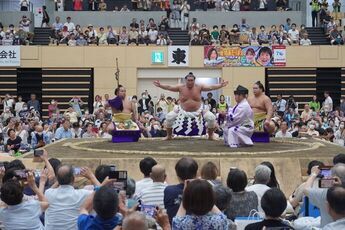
<point x="153" y="194"/>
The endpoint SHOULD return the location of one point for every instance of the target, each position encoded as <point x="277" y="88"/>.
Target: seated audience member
<point x="123" y="37"/>
<point x="210" y="172"/>
<point x="305" y="41"/>
<point x="273" y="203"/>
<point x="70" y="25"/>
<point x="202" y="213"/>
<point x="81" y="41"/>
<point x="235" y="34"/>
<point x="105" y="202"/>
<point x="124" y="9"/>
<point x="195" y="41"/>
<point x="242" y="201"/>
<point x="302" y="31"/>
<point x="215" y="34"/>
<point x="186" y="169"/>
<point x="274" y="35"/>
<point x="336" y="207"/>
<point x="261" y="178"/>
<point x="135" y="221"/>
<point x="263" y="36"/>
<point x="161" y="41"/>
<point x="102" y="37"/>
<point x="39" y="138"/>
<point x="64" y="131"/>
<point x="138" y="221"/>
<point x="339" y="158"/>
<point x="335" y="37"/>
<point x="253" y="36"/>
<point x="224" y="35"/>
<point x="143" y="36"/>
<point x="133" y="36"/>
<point x="72" y="41"/>
<point x="283" y="132"/>
<point x="293" y="34"/>
<point x="318" y="196"/>
<point x="204" y="39"/>
<point x="64" y="35"/>
<point x="154" y="194"/>
<point x="57" y="27"/>
<point x="311" y="131"/>
<point x="145" y="166"/>
<point x="152" y="34"/>
<point x="273" y="183"/>
<point x="71" y="115"/>
<point x="13" y="142"/>
<point x="297" y="195"/>
<point x="65" y="201"/>
<point x="111" y="35"/>
<point x="92" y="35"/>
<point x="102" y="6"/>
<point x="330" y="25"/>
<point x="89" y="132"/>
<point x="19" y="213"/>
<point x="7" y="40"/>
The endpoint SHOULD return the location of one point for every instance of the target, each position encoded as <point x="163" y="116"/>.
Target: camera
<point x="21" y="174"/>
<point x="76" y="171"/>
<point x="38" y="152"/>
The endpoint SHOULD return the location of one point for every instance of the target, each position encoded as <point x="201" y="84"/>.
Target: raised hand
<point x="224" y="83"/>
<point x="157" y="83"/>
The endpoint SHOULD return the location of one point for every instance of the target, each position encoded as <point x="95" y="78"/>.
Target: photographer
<point x="317" y="196"/>
<point x="20" y="212"/>
<point x="63" y="196"/>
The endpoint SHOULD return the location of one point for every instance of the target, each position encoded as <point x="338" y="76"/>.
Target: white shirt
<point x="236" y="5"/>
<point x="64" y="207"/>
<point x="153" y="35"/>
<point x="92" y="33"/>
<point x="23" y="216"/>
<point x="338" y="224"/>
<point x="153" y="194"/>
<point x="260" y="190"/>
<point x="282" y="135"/>
<point x="328" y="104"/>
<point x="281" y="104"/>
<point x="8" y="103"/>
<point x="305" y="42"/>
<point x="70" y="26"/>
<point x="142" y="184"/>
<point x="294" y="34"/>
<point x="18" y="107"/>
<point x="262" y="4"/>
<point x="161" y="42"/>
<point x="24" y="3"/>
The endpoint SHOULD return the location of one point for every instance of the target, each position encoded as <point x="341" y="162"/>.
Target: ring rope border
<point x="77" y="146"/>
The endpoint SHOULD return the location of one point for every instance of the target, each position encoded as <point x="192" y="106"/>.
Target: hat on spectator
<point x="90" y="25"/>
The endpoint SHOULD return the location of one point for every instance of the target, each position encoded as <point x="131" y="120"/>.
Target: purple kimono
<point x="239" y="125"/>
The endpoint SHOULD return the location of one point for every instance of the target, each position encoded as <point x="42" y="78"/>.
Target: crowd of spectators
<point x="22" y="36"/>
<point x="135" y="33"/>
<point x="320" y="120"/>
<point x="167" y="5"/>
<point x="23" y="128"/>
<point x="243" y="33"/>
<point x="62" y="196"/>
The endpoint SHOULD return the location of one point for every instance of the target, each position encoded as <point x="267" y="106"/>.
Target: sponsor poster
<point x="246" y="56"/>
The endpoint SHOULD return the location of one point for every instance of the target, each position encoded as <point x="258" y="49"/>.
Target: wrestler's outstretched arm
<point x="214" y="87"/>
<point x="174" y="88"/>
